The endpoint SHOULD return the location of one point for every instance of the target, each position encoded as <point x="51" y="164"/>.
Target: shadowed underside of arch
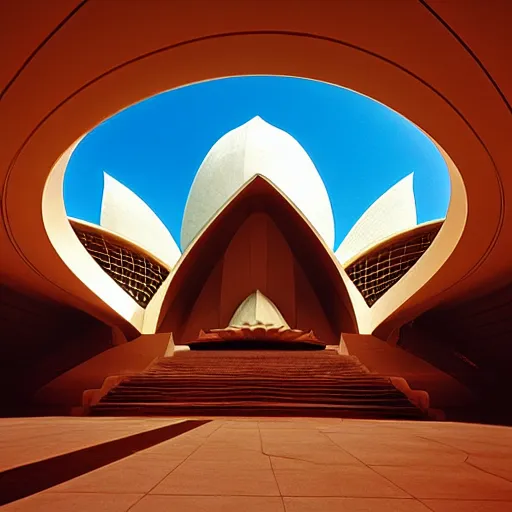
<point x="258" y="241"/>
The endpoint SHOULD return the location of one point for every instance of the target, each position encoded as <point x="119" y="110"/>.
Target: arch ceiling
<point x="78" y="64"/>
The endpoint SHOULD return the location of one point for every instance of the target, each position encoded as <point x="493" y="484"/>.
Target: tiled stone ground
<point x="292" y="465"/>
<point x="26" y="440"/>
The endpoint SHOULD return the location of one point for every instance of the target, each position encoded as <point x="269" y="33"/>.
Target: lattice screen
<point x="376" y="272"/>
<point x="138" y="275"/>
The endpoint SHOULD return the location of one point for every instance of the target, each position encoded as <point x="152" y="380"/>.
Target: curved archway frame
<point x="441" y="270"/>
<point x="258" y="195"/>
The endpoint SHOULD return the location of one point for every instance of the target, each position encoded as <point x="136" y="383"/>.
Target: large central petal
<point x="257" y="148"/>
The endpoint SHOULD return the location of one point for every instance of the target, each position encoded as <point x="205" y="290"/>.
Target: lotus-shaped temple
<point x="241" y="344"/>
<point x="259" y="280"/>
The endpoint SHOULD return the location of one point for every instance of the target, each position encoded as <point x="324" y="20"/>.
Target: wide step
<point x="293" y="383"/>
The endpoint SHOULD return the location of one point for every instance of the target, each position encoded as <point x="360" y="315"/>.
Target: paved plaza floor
<point x="274" y="465"/>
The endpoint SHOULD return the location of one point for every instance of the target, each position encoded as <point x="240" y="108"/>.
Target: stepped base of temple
<point x="257" y="383"/>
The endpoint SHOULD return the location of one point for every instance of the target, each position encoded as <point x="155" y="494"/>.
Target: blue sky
<point x="360" y="147"/>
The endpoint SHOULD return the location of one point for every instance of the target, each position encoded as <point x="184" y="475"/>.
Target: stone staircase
<point x="257" y="383"/>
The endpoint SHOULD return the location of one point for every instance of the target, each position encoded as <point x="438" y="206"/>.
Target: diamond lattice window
<point x="138" y="274"/>
<point x="377" y="271"/>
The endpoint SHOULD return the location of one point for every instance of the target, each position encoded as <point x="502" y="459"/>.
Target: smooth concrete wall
<point x="281" y="280"/>
<point x="309" y="312"/>
<point x="380" y="357"/>
<point x="258" y="258"/>
<point x="240" y="272"/>
<point x="135" y="356"/>
<point x="470" y="341"/>
<point x="205" y="313"/>
<point x="39" y="340"/>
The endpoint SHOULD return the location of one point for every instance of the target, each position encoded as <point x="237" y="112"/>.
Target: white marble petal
<point x="257" y="148"/>
<point x="257" y="309"/>
<point x="126" y="214"/>
<point x="391" y="213"/>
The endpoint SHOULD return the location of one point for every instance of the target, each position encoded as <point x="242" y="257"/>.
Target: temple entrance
<point x="257" y="365"/>
<point x="257" y="324"/>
